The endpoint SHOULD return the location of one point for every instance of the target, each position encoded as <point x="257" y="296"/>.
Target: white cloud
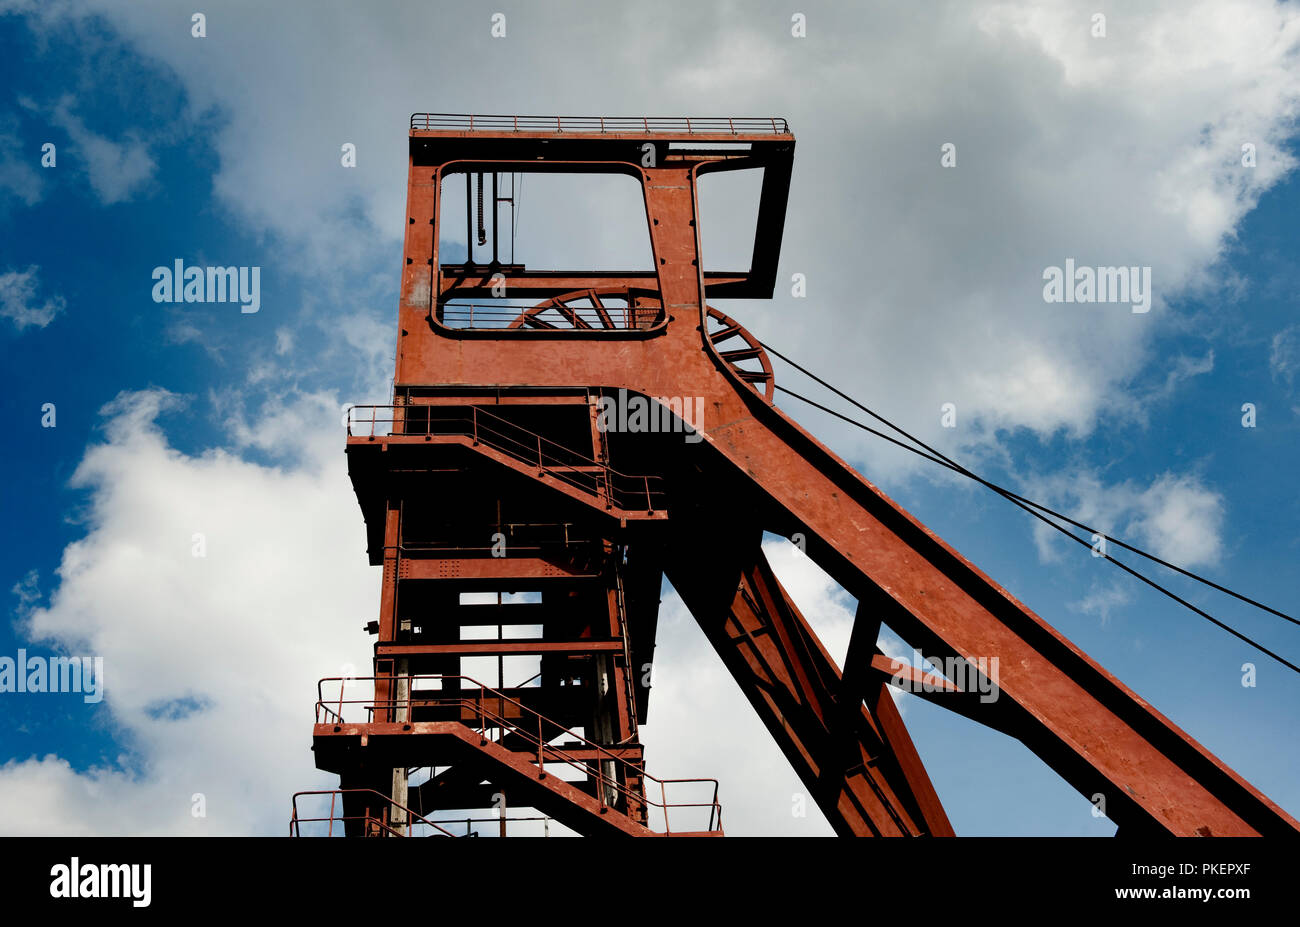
<point x="27" y="590"/>
<point x="1122" y="150"/>
<point x="117" y="170"/>
<point x="246" y="630"/>
<point x="1176" y="517"/>
<point x="1101" y="601"/>
<point x="926" y="289"/>
<point x="1183" y="368"/>
<point x="19" y="178"/>
<point x="20" y="304"/>
<point x="1181" y="520"/>
<point x="1284" y="354"/>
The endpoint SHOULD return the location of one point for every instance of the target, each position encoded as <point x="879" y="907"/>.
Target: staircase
<point x="621" y="495"/>
<point x="457" y="722"/>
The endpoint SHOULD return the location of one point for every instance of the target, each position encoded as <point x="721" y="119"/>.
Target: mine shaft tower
<point x="517" y="528"/>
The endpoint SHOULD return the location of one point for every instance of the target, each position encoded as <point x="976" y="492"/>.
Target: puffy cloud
<point x="925" y="287"/>
<point x="1176" y="517"/>
<point x="925" y="282"/>
<point x="210" y="661"/>
<point x="1181" y="520"/>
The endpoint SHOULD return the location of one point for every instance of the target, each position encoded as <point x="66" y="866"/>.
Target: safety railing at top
<point x="625" y="491"/>
<point x="649" y="125"/>
<point x="387" y="824"/>
<point x="533" y="728"/>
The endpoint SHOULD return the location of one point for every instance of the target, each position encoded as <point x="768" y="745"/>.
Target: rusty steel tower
<point x="560" y="440"/>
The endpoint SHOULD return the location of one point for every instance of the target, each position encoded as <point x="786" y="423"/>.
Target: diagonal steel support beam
<point x="856" y="759"/>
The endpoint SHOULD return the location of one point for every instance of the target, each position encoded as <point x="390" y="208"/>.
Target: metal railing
<point x="586" y="319"/>
<point x="465" y="315"/>
<point x="387" y="826"/>
<point x="531" y="726"/>
<point x="384" y="825"/>
<point x="648" y="125"/>
<point x="623" y="490"/>
<point x="532" y="537"/>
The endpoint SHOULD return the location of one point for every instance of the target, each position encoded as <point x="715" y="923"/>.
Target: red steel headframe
<point x="650" y="332"/>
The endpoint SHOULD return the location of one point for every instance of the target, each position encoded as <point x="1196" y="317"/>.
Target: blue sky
<point x="924" y="287"/>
